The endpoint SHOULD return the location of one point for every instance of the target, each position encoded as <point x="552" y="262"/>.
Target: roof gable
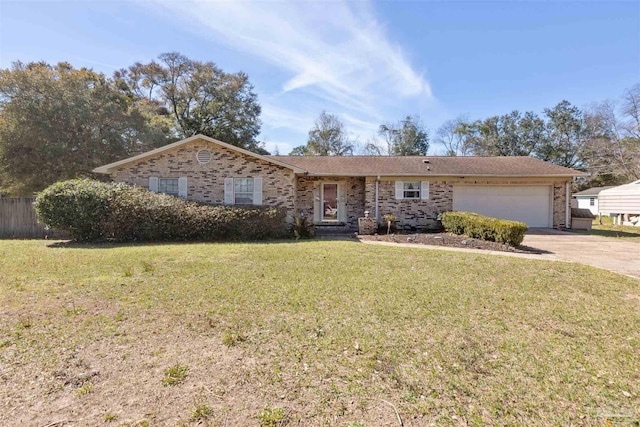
<point x="112" y="166"/>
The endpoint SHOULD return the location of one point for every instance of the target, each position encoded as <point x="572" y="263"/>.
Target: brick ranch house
<point x="336" y="191"/>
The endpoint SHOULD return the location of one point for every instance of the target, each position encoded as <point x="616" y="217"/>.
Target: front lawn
<point x="311" y="333"/>
<point x="616" y="230"/>
<point x="607" y="229"/>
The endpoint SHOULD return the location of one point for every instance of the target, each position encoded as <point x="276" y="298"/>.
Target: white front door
<point x="329" y="199"/>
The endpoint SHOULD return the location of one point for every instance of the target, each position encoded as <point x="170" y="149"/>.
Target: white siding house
<point x="622" y="202"/>
<point x="588" y="199"/>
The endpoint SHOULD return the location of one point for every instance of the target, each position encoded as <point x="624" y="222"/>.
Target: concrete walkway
<point x="611" y="254"/>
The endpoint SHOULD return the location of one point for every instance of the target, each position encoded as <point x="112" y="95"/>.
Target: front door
<point x="329" y="200"/>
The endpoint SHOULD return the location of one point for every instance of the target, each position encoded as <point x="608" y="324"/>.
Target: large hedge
<point x="94" y="211"/>
<point x="484" y="227"/>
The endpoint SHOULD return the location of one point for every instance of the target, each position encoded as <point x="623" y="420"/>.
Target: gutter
<point x="376" y="202"/>
<point x="438" y="175"/>
<point x="567" y="212"/>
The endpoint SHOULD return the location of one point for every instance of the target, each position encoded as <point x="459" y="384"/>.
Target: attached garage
<point x="529" y="204"/>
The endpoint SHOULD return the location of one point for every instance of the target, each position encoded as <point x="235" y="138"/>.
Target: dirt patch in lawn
<point x="451" y="240"/>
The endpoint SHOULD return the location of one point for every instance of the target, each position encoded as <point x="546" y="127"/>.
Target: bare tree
<point x="631" y="111"/>
<point x="449" y="135"/>
<point x="613" y="144"/>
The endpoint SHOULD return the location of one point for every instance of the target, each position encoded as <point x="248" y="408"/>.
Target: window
<point x="168" y="186"/>
<point x="243" y="191"/>
<point x="411" y="190"/>
<point x="592" y="201"/>
<point x="173" y="186"/>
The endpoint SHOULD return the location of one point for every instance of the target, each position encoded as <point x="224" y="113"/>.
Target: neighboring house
<point x="588" y="199"/>
<point x="622" y="203"/>
<point x="336" y="191"/>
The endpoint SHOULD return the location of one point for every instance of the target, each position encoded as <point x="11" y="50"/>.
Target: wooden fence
<point x="18" y="220"/>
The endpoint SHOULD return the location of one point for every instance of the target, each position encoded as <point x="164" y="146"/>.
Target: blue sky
<point x="368" y="62"/>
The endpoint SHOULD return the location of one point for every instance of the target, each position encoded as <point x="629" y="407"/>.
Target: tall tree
<point x="512" y="134"/>
<point x="566" y="132"/>
<point x="199" y="96"/>
<point x="58" y="122"/>
<point x="328" y="137"/>
<point x="408" y="137"/>
<point x="300" y="150"/>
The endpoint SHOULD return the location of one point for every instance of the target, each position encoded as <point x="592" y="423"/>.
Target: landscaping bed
<point x="450" y="240"/>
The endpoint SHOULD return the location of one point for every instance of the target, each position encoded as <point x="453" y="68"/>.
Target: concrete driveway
<point x="612" y="254"/>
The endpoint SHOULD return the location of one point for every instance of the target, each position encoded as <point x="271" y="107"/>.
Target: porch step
<point x="333" y="229"/>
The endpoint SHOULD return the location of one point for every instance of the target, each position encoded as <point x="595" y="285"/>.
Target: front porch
<point x="334" y="203"/>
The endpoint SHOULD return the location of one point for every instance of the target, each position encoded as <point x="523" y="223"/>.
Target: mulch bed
<point x="450" y="240"/>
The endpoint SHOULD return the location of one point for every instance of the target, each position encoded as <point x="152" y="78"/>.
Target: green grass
<point x="607" y="229"/>
<point x="272" y="417"/>
<point x="332" y="332"/>
<point x="175" y="375"/>
<point x="200" y="413"/>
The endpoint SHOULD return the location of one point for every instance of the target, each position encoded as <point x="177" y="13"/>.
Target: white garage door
<point x="529" y="204"/>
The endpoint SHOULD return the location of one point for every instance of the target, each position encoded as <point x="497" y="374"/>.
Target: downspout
<point x="567" y="217"/>
<point x="376" y="201"/>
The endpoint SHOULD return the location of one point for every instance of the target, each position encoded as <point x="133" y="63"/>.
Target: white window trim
<point x="406" y="190"/>
<point x="243" y="194"/>
<point x="422" y="191"/>
<point x="230" y="191"/>
<point x="154" y="185"/>
<point x="164" y="181"/>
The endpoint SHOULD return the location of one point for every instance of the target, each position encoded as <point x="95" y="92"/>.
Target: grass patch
<point x="607" y="229"/>
<point x="336" y="332"/>
<point x="273" y="417"/>
<point x="109" y="417"/>
<point x="201" y="412"/>
<point x="175" y="375"/>
<point x="85" y="389"/>
<point x="232" y="339"/>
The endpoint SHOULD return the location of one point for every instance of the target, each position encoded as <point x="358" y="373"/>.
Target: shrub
<point x="93" y="211"/>
<point x="303" y="227"/>
<point x="390" y="222"/>
<point x="79" y="206"/>
<point x="484" y="227"/>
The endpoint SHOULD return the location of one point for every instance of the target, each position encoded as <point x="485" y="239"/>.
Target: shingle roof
<point x="383" y="165"/>
<point x="593" y="191"/>
<point x="425" y="166"/>
<point x="582" y="213"/>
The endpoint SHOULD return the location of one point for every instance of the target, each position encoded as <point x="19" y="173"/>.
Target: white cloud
<point x="278" y="117"/>
<point x="336" y="52"/>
